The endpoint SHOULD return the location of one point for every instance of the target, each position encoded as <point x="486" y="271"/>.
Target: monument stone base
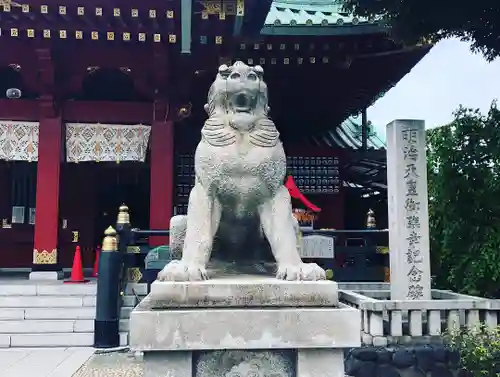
<point x="244" y="326"/>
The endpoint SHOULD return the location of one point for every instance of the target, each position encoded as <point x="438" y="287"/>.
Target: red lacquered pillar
<point x="45" y="262"/>
<point x="161" y="178"/>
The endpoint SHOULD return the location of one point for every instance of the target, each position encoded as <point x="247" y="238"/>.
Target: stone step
<point x="125" y="312"/>
<point x="56" y="289"/>
<point x="140" y="289"/>
<point x="130" y="301"/>
<point x="54" y="313"/>
<point x="52" y="326"/>
<point x="57" y="301"/>
<point x="53" y="340"/>
<point x="88" y="325"/>
<point x="60" y="289"/>
<point x="46" y="301"/>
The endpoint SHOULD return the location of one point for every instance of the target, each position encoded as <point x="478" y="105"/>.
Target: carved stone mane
<point x="225" y="125"/>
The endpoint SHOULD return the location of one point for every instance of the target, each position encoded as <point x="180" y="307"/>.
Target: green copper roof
<point x="348" y="135"/>
<point x="312" y="13"/>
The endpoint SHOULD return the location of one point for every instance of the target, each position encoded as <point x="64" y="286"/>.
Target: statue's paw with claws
<point x="302" y="271"/>
<point x="177" y="270"/>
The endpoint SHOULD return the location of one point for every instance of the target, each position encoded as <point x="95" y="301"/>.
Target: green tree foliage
<point x="414" y="20"/>
<point x="464" y="202"/>
<point x="479" y="350"/>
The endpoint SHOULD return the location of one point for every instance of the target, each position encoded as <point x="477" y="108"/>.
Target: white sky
<point x="449" y="75"/>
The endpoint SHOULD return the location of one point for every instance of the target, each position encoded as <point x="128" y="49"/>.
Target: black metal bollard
<point x="107" y="318"/>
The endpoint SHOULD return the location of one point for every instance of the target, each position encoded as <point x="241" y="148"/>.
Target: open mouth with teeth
<point x="243" y="102"/>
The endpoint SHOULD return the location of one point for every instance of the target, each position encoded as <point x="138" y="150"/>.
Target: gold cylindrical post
<point x="123" y="215"/>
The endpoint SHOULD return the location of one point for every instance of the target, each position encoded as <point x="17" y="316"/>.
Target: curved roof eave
<point x="330" y="14"/>
<point x="348" y="135"/>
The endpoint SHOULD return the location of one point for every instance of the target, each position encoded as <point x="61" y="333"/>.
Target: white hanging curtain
<point x="106" y="142"/>
<point x="19" y="140"/>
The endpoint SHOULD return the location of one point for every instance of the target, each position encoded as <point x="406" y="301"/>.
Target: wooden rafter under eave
<point x="254" y="16"/>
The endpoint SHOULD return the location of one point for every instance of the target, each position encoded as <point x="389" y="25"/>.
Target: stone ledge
<point x="243" y="291"/>
<point x="233" y="328"/>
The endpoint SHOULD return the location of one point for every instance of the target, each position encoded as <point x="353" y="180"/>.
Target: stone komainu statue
<point x="238" y="194"/>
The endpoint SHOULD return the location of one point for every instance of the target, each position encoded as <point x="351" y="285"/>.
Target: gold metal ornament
<point x="44" y="256"/>
<point x="109" y="242"/>
<point x="370" y="220"/>
<point x="134" y="275"/>
<point x="123" y="215"/>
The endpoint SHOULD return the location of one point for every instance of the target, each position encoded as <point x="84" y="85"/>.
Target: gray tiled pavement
<point x="48" y="362"/>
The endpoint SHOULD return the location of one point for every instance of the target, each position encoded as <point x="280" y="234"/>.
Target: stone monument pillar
<point x="408" y="210"/>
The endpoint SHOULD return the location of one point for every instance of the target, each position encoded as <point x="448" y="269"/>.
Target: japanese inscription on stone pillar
<point x="408" y="212"/>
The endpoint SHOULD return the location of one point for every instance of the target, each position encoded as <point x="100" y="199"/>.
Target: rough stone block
<point x="244" y="291"/>
<point x="402" y="361"/>
<point x="161" y="364"/>
<point x="245" y="363"/>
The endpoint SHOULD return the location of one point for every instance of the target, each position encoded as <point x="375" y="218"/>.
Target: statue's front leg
<point x="278" y="223"/>
<point x="202" y="222"/>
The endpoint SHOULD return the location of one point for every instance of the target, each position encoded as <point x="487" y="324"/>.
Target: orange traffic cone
<point x="96" y="263"/>
<point x="77" y="269"/>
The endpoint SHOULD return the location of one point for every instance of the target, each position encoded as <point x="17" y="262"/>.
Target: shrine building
<point x="102" y="104"/>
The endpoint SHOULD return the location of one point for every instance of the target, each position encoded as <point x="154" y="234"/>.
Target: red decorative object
<point x="296" y="194"/>
<point x="77" y="269"/>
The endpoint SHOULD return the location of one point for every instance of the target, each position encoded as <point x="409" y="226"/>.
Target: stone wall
<point x="403" y="361"/>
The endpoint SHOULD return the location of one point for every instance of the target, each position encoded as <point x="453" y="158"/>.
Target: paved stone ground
<point x="119" y="364"/>
<point x="50" y="362"/>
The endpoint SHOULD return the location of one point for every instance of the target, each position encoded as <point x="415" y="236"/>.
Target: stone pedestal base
<point x="309" y="363"/>
<point x="244" y="327"/>
<point x="46" y="275"/>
